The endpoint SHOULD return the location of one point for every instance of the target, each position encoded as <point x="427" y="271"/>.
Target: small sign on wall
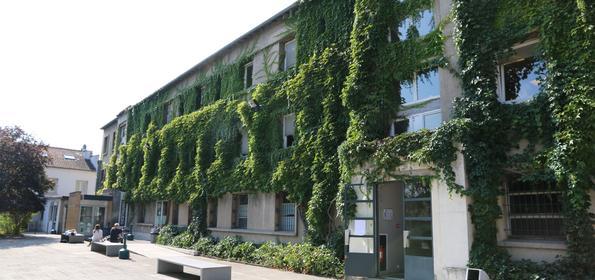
<point x="387" y="214"/>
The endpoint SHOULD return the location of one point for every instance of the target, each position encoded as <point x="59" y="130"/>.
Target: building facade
<point x="281" y="103"/>
<point x="72" y="203"/>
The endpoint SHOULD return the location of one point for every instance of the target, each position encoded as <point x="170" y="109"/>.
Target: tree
<point x="22" y="176"/>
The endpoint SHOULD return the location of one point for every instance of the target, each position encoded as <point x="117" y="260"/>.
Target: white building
<point x="71" y="171"/>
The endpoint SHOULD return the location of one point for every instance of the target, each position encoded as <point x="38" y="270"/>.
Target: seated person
<point x="115" y="234"/>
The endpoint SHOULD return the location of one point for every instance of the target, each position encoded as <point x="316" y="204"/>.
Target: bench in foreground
<point x="110" y="249"/>
<point x="208" y="271"/>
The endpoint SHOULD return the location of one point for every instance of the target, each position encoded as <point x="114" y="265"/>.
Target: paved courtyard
<point x="42" y="256"/>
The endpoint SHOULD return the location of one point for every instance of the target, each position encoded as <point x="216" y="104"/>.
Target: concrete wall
<point x="67" y="180"/>
<point x="261" y="220"/>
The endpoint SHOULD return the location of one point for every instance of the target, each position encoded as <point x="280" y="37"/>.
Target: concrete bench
<point x="78" y="238"/>
<point x="208" y="271"/>
<point x="110" y="249"/>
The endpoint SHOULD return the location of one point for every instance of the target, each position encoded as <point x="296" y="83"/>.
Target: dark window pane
<point x="418" y="209"/>
<point x="521" y="79"/>
<point x="419" y="228"/>
<point x="550" y="228"/>
<point x="417" y="190"/>
<point x="421" y="248"/>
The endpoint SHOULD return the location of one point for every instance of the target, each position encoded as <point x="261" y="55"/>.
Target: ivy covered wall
<point x="345" y="91"/>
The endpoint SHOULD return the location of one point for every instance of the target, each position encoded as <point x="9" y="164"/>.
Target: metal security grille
<point x="534" y="210"/>
<point x="287" y="217"/>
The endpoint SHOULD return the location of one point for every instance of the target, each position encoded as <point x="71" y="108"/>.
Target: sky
<point x="69" y="67"/>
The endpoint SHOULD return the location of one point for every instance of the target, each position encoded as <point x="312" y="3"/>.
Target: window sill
<point x="533" y="244"/>
<point x="253" y="231"/>
<point x="411" y="104"/>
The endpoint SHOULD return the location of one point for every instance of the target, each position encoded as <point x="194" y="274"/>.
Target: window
<point x="168" y="112"/>
<point x="82" y="186"/>
<point x="285" y="214"/>
<point x="180" y="109"/>
<point x="240" y="210"/>
<point x="105" y="143"/>
<point x="113" y="141"/>
<point x="520" y="75"/>
<point x="198" y="98"/>
<point x="212" y="212"/>
<point x="429" y="120"/>
<point x="422" y="26"/>
<point x="86" y="219"/>
<point x="520" y="80"/>
<point x="69" y="157"/>
<point x="141" y="213"/>
<point x="53" y="190"/>
<point x="161" y="213"/>
<point x="244" y="143"/>
<point x="218" y="89"/>
<point x="534" y="209"/>
<point x="99" y="216"/>
<point x="423" y="87"/>
<point x="288" y="130"/>
<point x="248" y="75"/>
<point x="288" y="56"/>
<point x="122" y="132"/>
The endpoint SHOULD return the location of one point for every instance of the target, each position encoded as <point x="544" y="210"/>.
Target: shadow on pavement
<point x="28" y="239"/>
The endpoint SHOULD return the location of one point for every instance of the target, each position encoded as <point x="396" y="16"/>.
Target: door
<point x="417" y="234"/>
<point x="360" y="234"/>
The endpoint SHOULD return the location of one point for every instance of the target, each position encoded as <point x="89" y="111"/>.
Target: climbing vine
<point x="344" y="93"/>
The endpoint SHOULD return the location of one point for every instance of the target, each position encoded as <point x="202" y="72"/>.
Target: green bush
<point x="167" y="234"/>
<point x="182" y="240"/>
<point x="204" y="246"/>
<point x="300" y="257"/>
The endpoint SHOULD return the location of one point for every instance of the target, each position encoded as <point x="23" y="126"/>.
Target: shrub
<point x="301" y="257"/>
<point x="204" y="246"/>
<point x="182" y="240"/>
<point x="167" y="234"/>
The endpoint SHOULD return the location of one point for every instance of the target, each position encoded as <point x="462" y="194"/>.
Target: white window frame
<point x="122" y="132"/>
<point x="244" y="143"/>
<point x="285" y="132"/>
<point x="292" y="41"/>
<point x="249" y="64"/>
<point x="414" y="84"/>
<point x="530" y="46"/>
<point x="411" y="118"/>
<point x="83" y="188"/>
<point x="160" y="219"/>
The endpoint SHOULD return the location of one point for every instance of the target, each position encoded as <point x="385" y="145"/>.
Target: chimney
<point x="86" y="154"/>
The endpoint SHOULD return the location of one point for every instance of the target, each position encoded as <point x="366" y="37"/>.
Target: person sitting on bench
<point x="115" y="234"/>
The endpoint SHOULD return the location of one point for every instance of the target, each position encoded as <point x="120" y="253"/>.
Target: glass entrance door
<point x="360" y="236"/>
<point x="417" y="234"/>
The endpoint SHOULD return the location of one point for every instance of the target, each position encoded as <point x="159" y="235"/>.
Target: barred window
<point x="534" y="210"/>
<point x="287" y="215"/>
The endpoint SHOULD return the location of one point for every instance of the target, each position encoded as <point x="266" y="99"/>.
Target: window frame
<point x="247" y="85"/>
<point x="508" y="213"/>
<point x="410" y="119"/>
<point x="122" y="133"/>
<point x="414" y="84"/>
<point x="236" y="209"/>
<point x="283" y="56"/>
<point x="529" y="46"/>
<point x="285" y="132"/>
